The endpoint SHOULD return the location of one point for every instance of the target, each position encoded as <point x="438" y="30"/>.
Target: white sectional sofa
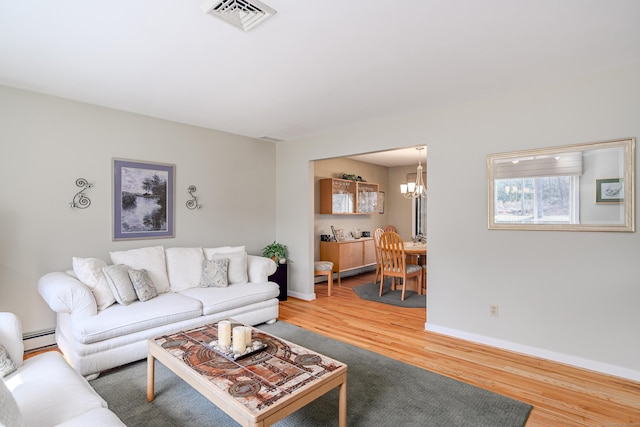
<point x="102" y="323"/>
<point x="44" y="390"/>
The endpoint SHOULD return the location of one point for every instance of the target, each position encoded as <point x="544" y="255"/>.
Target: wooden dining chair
<point x="393" y="262"/>
<point x="376" y="243"/>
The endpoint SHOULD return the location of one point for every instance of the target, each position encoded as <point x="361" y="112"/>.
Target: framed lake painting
<point x="143" y="200"/>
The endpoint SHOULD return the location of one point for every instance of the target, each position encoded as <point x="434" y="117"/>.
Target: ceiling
<point x="312" y="67"/>
<point x="393" y="158"/>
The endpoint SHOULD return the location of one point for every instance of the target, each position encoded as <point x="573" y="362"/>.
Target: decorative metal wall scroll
<point x="193" y="202"/>
<point x="80" y="200"/>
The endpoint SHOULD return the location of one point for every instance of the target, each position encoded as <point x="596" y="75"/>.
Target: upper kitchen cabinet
<point x="341" y="196"/>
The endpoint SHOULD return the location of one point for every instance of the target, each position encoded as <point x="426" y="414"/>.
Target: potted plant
<point x="276" y="251"/>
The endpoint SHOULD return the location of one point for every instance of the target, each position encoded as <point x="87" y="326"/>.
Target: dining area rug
<point x="370" y="291"/>
<point x="380" y="392"/>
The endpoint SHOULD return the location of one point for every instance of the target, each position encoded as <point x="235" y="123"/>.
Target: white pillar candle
<point x="224" y="333"/>
<point x="247" y="335"/>
<point x="239" y="345"/>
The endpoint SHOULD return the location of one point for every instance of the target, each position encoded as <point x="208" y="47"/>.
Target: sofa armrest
<point x="260" y="268"/>
<point x="66" y="294"/>
<point x="11" y="337"/>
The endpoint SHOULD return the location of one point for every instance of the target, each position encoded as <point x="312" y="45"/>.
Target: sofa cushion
<point x="89" y="272"/>
<point x="217" y="300"/>
<point x="120" y="283"/>
<point x="10" y="414"/>
<point x="143" y="285"/>
<point x="237" y="256"/>
<point x="184" y="267"/>
<point x="214" y="273"/>
<point x="151" y="259"/>
<point x="138" y="316"/>
<point x="48" y="391"/>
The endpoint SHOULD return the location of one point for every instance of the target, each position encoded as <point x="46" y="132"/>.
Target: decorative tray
<point x="228" y="352"/>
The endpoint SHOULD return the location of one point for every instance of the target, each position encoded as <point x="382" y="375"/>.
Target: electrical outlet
<point x="493" y="310"/>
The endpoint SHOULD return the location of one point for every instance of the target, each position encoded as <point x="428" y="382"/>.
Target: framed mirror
<point x="583" y="187"/>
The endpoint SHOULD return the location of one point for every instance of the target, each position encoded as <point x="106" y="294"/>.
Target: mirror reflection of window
<point x="551" y="199"/>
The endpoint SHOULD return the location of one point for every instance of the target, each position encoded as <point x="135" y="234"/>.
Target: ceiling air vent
<point x="243" y="14"/>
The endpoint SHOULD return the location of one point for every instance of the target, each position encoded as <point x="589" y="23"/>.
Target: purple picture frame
<point x="143" y="200"/>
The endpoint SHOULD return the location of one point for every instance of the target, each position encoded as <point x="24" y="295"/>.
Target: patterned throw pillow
<point x="6" y="364"/>
<point x="214" y="273"/>
<point x="237" y="268"/>
<point x="143" y="285"/>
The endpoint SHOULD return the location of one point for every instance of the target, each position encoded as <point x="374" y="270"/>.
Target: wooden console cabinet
<point x="348" y="254"/>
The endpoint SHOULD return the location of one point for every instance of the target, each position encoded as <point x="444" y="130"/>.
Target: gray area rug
<point x="380" y="392"/>
<point x="370" y="291"/>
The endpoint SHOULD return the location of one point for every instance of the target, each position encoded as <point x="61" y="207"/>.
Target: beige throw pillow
<point x="120" y="283"/>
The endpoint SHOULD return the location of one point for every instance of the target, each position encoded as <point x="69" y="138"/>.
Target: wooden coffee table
<point x="258" y="390"/>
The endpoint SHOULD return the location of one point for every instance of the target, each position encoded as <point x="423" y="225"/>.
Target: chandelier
<point x="414" y="190"/>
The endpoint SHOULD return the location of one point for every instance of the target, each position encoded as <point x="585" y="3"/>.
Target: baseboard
<point x="39" y="339"/>
<point x="566" y="359"/>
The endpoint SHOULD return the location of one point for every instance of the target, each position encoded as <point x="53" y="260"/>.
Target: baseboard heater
<point x="39" y="339"/>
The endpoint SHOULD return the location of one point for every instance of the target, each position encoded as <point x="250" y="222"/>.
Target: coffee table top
<point x="259" y="381"/>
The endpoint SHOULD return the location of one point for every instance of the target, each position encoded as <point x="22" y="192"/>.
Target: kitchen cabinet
<point x="342" y="196"/>
<point x="348" y="254"/>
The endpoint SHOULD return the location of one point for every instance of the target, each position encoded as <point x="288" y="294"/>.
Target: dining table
<point x="417" y="251"/>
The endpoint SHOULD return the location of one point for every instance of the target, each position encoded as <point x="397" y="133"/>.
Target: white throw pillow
<point x="184" y="267"/>
<point x="151" y="259"/>
<point x="208" y="252"/>
<point x="89" y="272"/>
<point x="10" y="415"/>
<point x="237" y="269"/>
<point x="120" y="283"/>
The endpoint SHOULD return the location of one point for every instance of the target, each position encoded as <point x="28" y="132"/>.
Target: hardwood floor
<point x="561" y="395"/>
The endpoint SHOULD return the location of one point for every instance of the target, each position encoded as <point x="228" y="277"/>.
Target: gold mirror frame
<point x="626" y="206"/>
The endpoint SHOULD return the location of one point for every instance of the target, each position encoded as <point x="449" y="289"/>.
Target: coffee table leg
<point x="150" y="377"/>
<point x="342" y="405"/>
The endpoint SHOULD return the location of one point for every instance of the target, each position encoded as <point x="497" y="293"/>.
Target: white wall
<point x="47" y="143"/>
<point x="568" y="296"/>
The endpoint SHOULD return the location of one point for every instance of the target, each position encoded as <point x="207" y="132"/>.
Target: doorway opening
<point x="388" y="169"/>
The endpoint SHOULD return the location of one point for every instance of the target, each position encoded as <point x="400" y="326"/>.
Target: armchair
<point x="45" y="390"/>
